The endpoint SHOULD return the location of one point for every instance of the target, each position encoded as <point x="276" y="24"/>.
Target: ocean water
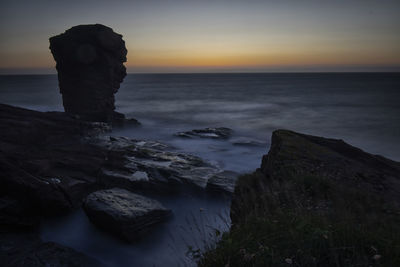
<point x="363" y="109"/>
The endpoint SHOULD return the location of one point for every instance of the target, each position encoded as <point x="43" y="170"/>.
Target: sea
<point x="363" y="109"/>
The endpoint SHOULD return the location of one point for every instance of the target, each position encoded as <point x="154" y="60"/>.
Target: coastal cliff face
<point x="314" y="202"/>
<point x="296" y="159"/>
<point x="90" y="69"/>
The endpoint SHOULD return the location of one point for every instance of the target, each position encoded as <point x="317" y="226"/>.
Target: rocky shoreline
<point x="50" y="162"/>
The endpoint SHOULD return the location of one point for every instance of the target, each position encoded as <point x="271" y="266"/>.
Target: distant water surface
<point x="361" y="108"/>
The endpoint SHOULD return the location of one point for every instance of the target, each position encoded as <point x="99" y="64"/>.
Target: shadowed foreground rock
<point x="90" y="69"/>
<point x="123" y="213"/>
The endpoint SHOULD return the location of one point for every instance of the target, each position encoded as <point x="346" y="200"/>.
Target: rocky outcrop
<point x="49" y="162"/>
<point x="314" y="202"/>
<point x="90" y="69"/>
<point x="296" y="159"/>
<point x="123" y="213"/>
<point x="152" y="165"/>
<point x="44" y="163"/>
<point x="213" y="133"/>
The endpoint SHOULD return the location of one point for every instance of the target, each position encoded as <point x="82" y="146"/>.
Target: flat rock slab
<point x="246" y="141"/>
<point x="213" y="133"/>
<point x="152" y="165"/>
<point x="124" y="214"/>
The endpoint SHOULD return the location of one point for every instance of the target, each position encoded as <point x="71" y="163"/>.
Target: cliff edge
<point x="314" y="202"/>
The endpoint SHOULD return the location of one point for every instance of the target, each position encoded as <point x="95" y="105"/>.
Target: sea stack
<point x="90" y="69"/>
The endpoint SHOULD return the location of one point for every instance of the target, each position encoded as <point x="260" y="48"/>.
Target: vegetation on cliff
<point x="314" y="202"/>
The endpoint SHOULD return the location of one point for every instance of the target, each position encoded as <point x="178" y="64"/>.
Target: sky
<point x="213" y="36"/>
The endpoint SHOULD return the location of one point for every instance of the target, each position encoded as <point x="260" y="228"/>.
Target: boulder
<point x="213" y="133"/>
<point x="89" y="61"/>
<point x="123" y="213"/>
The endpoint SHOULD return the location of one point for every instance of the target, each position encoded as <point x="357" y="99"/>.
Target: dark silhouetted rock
<point x="123" y="213"/>
<point x="90" y="69"/>
<point x="44" y="163"/>
<point x="295" y="160"/>
<point x="213" y="133"/>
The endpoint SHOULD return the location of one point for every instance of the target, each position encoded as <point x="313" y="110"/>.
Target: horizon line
<point x="229" y="72"/>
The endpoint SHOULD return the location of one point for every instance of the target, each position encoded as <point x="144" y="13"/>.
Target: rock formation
<point x="314" y="202"/>
<point x="49" y="162"/>
<point x="294" y="157"/>
<point x="123" y="213"/>
<point x="213" y="133"/>
<point x="90" y="69"/>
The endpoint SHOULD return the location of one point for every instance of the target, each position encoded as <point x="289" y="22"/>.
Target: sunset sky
<point x="213" y="36"/>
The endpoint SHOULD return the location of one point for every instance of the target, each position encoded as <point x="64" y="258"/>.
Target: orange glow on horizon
<point x="224" y="57"/>
<point x="234" y="35"/>
<point x="200" y="59"/>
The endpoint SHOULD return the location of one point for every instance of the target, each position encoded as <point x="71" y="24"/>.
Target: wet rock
<point x="150" y="164"/>
<point x="49" y="162"/>
<point x="90" y="69"/>
<point x="223" y="181"/>
<point x="123" y="213"/>
<point x="246" y="141"/>
<point x="213" y="133"/>
<point x="18" y="250"/>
